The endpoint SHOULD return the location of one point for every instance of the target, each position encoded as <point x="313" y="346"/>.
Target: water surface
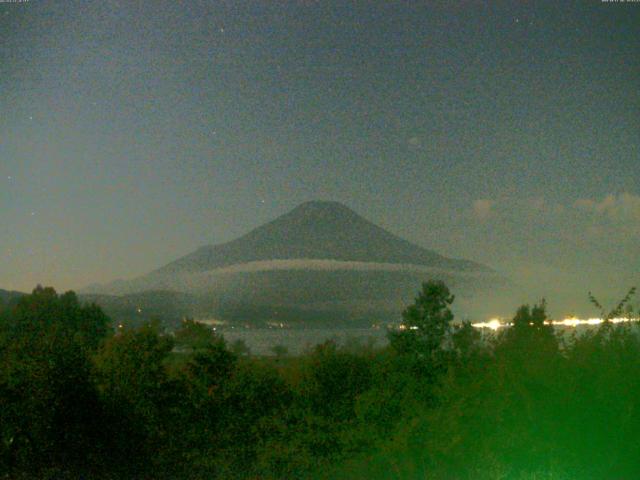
<point x="296" y="341"/>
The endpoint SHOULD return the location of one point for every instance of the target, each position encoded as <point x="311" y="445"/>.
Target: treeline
<point x="78" y="400"/>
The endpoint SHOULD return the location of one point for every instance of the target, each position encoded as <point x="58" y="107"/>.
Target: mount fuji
<point x="320" y="260"/>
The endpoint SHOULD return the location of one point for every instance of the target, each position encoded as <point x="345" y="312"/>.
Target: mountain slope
<point x="9" y="296"/>
<point x="316" y="230"/>
<point x="320" y="260"/>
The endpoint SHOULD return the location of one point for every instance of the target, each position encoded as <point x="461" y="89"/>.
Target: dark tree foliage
<point x="134" y="385"/>
<point x="279" y="351"/>
<point x="333" y="379"/>
<point x="45" y="314"/>
<point x="193" y="335"/>
<point x="240" y="348"/>
<point x="49" y="407"/>
<point x="623" y="307"/>
<point x="467" y="344"/>
<point x="426" y="323"/>
<point x="441" y="401"/>
<point x="529" y="335"/>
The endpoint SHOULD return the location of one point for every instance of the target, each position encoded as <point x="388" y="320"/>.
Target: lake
<point x="297" y="341"/>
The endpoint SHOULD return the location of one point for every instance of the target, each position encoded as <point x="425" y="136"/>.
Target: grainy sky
<point x="134" y="132"/>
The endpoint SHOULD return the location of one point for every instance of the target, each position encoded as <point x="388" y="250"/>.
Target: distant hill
<point x="7" y="296"/>
<point x="319" y="257"/>
<point x="168" y="307"/>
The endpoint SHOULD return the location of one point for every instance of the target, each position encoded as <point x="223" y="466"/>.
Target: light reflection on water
<point x="261" y="340"/>
<point x="496" y="323"/>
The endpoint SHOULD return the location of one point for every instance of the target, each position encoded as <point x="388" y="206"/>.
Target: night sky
<point x="132" y="133"/>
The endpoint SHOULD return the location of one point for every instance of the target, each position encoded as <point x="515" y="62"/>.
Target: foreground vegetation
<point x="440" y="402"/>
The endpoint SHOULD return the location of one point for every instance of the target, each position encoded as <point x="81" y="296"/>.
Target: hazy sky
<point x="133" y="132"/>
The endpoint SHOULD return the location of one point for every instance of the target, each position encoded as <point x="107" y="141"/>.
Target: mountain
<point x="7" y="296"/>
<point x="166" y="306"/>
<point x="316" y="230"/>
<point x="319" y="257"/>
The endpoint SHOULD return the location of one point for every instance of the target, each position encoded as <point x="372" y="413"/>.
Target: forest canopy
<point x="80" y="399"/>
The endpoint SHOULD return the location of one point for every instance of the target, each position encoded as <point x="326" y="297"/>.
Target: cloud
<point x="331" y="265"/>
<point x="613" y="213"/>
<point x="482" y="208"/>
<point x="623" y="208"/>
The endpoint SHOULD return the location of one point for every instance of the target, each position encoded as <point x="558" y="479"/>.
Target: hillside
<point x="321" y="258"/>
<point x="316" y="230"/>
<point x="7" y="296"/>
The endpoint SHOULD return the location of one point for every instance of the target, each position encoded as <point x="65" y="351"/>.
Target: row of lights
<point x="495" y="323"/>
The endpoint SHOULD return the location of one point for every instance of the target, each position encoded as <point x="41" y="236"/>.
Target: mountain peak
<point x="316" y="236"/>
<point x="316" y="213"/>
<point x="324" y="230"/>
<point x="323" y="206"/>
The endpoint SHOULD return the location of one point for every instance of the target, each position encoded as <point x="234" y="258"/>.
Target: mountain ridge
<point x="321" y="260"/>
<point x="316" y="229"/>
<point x="8" y="296"/>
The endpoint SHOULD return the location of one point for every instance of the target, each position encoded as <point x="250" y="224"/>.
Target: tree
<point x="426" y="323"/>
<point x="530" y="334"/>
<point x="49" y="408"/>
<point x="618" y="310"/>
<point x="247" y="404"/>
<point x="466" y="340"/>
<point x="60" y="315"/>
<point x="280" y="351"/>
<point x="138" y="394"/>
<point x="194" y="335"/>
<point x="212" y="366"/>
<point x="333" y="379"/>
<point x="240" y="348"/>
